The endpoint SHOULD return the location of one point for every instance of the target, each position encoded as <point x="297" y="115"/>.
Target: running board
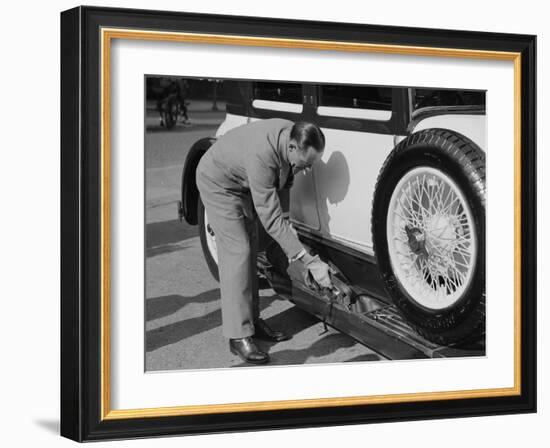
<point x="380" y="327"/>
<point x="382" y="330"/>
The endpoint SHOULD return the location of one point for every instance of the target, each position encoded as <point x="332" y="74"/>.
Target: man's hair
<point x="308" y="134"/>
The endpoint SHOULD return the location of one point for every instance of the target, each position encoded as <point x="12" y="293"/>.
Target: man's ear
<point x="292" y="145"/>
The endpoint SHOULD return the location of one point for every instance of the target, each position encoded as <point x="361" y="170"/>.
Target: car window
<point x="276" y="91"/>
<point x="447" y="97"/>
<point x="277" y="96"/>
<point x="365" y="102"/>
<point x="357" y="97"/>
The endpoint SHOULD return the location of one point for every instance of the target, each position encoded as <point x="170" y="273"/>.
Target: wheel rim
<point x="210" y="239"/>
<point x="431" y="235"/>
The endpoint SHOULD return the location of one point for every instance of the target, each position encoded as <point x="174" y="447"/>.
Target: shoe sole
<point x="249" y="361"/>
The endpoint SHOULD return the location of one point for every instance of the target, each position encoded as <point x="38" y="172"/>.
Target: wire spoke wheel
<point x="431" y="238"/>
<point x="428" y="226"/>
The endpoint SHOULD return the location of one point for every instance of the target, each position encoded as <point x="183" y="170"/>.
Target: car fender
<point x="189" y="190"/>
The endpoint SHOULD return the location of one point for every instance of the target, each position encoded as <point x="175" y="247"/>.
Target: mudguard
<point x="189" y="191"/>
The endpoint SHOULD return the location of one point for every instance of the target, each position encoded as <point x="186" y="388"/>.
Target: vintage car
<point x="397" y="205"/>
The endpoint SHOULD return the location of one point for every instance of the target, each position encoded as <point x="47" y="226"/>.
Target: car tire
<point x="428" y="226"/>
<point x="208" y="240"/>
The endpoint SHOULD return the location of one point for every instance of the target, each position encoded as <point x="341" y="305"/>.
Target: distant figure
<point x="182" y="92"/>
<point x="172" y="103"/>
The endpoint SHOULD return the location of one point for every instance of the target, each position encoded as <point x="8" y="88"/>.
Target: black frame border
<point x="81" y="223"/>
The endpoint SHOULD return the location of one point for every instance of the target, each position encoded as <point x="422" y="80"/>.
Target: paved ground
<point x="183" y="317"/>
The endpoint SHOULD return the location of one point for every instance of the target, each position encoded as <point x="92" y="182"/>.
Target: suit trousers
<point x="233" y="219"/>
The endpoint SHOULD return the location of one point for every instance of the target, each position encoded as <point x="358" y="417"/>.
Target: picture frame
<point x="87" y="34"/>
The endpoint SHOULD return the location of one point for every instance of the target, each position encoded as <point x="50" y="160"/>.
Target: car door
<point x="361" y="125"/>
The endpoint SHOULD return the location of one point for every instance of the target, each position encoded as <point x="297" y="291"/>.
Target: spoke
<point x="460" y="274"/>
<point x="449" y="206"/>
<point x="408" y="209"/>
<point x="416" y="219"/>
<point x="416" y="198"/>
<point x="467" y="266"/>
<point x="447" y="282"/>
<point x="430" y="272"/>
<point x="441" y="201"/>
<point x="422" y="277"/>
<point x="409" y="194"/>
<point x="420" y="208"/>
<point x="449" y="195"/>
<point x="462" y="253"/>
<point x="453" y="286"/>
<point x="430" y="190"/>
<point x="465" y="242"/>
<point x="401" y="216"/>
<point x="422" y="188"/>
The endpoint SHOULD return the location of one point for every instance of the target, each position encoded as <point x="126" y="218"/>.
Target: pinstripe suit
<point x="241" y="177"/>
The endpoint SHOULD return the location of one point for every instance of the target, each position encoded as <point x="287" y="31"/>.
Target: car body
<point x="345" y="208"/>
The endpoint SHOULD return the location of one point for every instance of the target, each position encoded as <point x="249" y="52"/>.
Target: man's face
<point x="302" y="159"/>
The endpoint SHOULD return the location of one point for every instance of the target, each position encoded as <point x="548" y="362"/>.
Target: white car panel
<point x="345" y="181"/>
<point x="278" y="106"/>
<point x="303" y="201"/>
<point x="350" y="112"/>
<point x="231" y="121"/>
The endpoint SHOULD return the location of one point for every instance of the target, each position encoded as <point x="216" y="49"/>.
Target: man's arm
<point x="262" y="179"/>
<point x="284" y="199"/>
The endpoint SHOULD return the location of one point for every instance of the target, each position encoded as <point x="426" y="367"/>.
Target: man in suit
<point x="246" y="175"/>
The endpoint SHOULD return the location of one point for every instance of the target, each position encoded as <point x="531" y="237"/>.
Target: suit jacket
<point x="252" y="160"/>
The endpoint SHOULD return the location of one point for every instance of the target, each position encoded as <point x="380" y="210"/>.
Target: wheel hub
<point x="417" y="240"/>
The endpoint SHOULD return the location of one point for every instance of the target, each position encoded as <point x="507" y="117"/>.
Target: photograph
<point x="276" y="224"/>
<point x="291" y="223"/>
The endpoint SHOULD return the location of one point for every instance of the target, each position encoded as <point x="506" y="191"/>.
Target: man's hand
<point x="318" y="269"/>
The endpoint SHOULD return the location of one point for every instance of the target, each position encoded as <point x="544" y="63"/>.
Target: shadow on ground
<point x="176" y="332"/>
<point x="292" y="320"/>
<point x="166" y="249"/>
<point x="321" y="347"/>
<point x="167" y="236"/>
<point x="156" y="308"/>
<point x="295" y="320"/>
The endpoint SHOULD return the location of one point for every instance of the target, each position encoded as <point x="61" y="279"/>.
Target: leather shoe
<point x="248" y="351"/>
<point x="266" y="333"/>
